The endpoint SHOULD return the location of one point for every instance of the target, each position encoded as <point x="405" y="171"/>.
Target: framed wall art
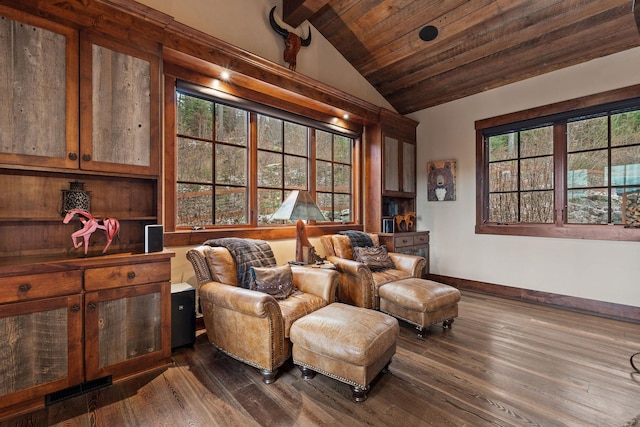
<point x="441" y="183"/>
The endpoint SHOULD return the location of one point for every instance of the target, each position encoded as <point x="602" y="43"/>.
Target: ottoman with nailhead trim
<point x="347" y="343"/>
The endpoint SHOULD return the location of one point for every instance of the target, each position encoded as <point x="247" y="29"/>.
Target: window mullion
<point x="560" y="173"/>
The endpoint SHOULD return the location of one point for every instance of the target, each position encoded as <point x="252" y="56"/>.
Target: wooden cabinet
<point x="390" y="168"/>
<point x="412" y="243"/>
<point x="116" y="95"/>
<point x="64" y="322"/>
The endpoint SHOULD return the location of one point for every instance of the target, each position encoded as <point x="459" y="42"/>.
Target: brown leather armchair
<point x="358" y="284"/>
<point x="252" y="326"/>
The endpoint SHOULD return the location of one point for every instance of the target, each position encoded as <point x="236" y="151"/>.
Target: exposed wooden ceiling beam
<point x="297" y="11"/>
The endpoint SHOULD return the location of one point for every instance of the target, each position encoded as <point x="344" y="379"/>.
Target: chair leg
<point x="307" y="373"/>
<point x="447" y="324"/>
<point x="268" y="377"/>
<point x="359" y="393"/>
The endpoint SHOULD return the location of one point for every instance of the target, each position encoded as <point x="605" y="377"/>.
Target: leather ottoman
<point x="347" y="343"/>
<point x="420" y="302"/>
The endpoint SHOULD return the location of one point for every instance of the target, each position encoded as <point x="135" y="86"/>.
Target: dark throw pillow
<point x="375" y="257"/>
<point x="275" y="281"/>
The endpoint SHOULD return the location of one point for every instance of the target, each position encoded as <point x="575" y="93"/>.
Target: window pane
<point x="503" y="207"/>
<point x="503" y="176"/>
<point x="195" y="205"/>
<point x="323" y="145"/>
<point x="231" y="125"/>
<point x="587" y="169"/>
<point x="343" y="208"/>
<point x="325" y="203"/>
<point x="269" y="169"/>
<point x="537" y="206"/>
<point x="587" y="134"/>
<point x="268" y="202"/>
<point x="588" y="206"/>
<point x="295" y="177"/>
<point x="231" y="165"/>
<point x="625" y="128"/>
<point x="269" y="133"/>
<point x="342" y="178"/>
<point x="194" y="160"/>
<point x="627" y="206"/>
<point x="536" y="173"/>
<point x="625" y="166"/>
<point x="536" y="142"/>
<point x="195" y="116"/>
<point x="295" y="139"/>
<point x="503" y="147"/>
<point x="231" y="205"/>
<point x="324" y="177"/>
<point x="342" y="149"/>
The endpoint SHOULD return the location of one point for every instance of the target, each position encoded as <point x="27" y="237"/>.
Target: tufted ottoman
<point x="420" y="302"/>
<point x="347" y="343"/>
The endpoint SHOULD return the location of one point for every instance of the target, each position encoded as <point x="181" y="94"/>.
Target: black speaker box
<point x="183" y="315"/>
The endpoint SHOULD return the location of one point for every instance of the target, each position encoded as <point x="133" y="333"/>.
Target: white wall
<point x="601" y="270"/>
<point x="245" y="24"/>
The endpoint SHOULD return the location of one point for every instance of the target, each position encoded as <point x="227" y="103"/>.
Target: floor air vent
<point x="77" y="390"/>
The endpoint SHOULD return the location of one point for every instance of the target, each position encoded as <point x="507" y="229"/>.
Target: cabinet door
<point x="391" y="164"/>
<point x="39" y="87"/>
<point x="408" y="167"/>
<point x="127" y="329"/>
<point x="120" y="107"/>
<point x="41" y="350"/>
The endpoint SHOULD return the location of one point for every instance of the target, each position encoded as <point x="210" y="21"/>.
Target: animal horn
<point x="284" y="33"/>
<point x="307" y="41"/>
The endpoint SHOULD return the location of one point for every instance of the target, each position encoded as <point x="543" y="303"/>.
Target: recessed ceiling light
<point x="345" y="116"/>
<point x="428" y="33"/>
<point x="225" y="75"/>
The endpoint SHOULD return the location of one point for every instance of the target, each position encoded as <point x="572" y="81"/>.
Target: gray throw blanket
<point x="247" y="253"/>
<point x="358" y="238"/>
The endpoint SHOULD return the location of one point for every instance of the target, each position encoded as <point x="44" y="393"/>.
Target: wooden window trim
<point x="558" y="229"/>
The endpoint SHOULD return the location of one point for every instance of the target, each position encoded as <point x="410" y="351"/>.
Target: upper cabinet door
<point x="399" y="167"/>
<point x="39" y="86"/>
<point x="119" y="114"/>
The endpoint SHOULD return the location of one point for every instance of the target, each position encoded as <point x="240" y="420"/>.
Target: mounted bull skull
<point x="292" y="42"/>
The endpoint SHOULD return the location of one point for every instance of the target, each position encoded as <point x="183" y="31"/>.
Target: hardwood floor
<point x="504" y="363"/>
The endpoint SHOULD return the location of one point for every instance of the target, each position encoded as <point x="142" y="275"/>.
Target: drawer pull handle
<point x="25" y="288"/>
<point x="91" y="306"/>
<point x="75" y="308"/>
<point x="404" y="240"/>
<point x="131" y="275"/>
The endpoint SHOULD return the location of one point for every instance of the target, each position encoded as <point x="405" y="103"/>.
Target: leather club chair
<point x="249" y="325"/>
<point x="358" y="284"/>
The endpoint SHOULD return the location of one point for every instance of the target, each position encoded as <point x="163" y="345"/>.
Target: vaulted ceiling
<point x="480" y="44"/>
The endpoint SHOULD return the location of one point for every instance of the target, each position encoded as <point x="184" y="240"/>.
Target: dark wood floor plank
<point x="504" y="363"/>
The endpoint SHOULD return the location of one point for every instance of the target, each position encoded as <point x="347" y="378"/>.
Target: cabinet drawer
<point x="421" y="239"/>
<point x="401" y="241"/>
<point x="126" y="275"/>
<point x="31" y="286"/>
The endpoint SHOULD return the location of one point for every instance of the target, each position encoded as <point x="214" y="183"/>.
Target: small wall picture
<point x="441" y="184"/>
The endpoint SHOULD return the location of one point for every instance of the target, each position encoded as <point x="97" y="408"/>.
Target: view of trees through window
<point x="213" y="183"/>
<point x="601" y="160"/>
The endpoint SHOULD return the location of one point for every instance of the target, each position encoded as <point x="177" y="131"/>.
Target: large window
<point x="233" y="161"/>
<point x="562" y="174"/>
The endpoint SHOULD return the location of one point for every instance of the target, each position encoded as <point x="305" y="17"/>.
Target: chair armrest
<point x="356" y="285"/>
<point x="316" y="281"/>
<point x="412" y="264"/>
<point x="241" y="300"/>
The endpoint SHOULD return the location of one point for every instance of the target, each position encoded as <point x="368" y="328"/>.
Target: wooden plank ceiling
<point x="481" y="44"/>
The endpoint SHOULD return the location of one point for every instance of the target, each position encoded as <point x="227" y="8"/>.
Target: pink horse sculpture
<point x="111" y="227"/>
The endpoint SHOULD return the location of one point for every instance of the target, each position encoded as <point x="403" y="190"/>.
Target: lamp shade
<point x="299" y="205"/>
